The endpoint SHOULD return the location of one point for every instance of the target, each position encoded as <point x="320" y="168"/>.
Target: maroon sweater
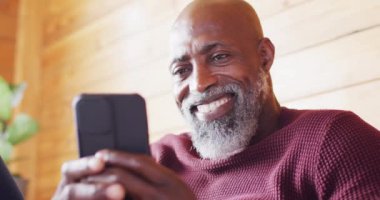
<point x="314" y="155"/>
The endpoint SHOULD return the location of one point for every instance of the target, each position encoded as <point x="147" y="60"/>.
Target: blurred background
<point x="327" y="56"/>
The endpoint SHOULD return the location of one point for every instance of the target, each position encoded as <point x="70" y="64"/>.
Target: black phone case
<point x="111" y="121"/>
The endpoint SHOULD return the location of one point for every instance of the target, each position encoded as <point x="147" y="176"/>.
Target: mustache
<point x="196" y="98"/>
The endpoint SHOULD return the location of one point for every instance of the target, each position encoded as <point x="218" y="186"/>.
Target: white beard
<point x="230" y="134"/>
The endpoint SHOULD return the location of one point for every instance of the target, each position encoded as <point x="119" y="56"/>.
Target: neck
<point x="268" y="119"/>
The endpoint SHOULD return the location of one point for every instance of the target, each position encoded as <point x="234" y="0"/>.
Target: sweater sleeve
<point x="349" y="160"/>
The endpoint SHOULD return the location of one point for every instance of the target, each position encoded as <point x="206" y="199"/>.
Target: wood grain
<point x="8" y="19"/>
<point x="7" y="52"/>
<point x="363" y="99"/>
<point x="342" y="62"/>
<point x="64" y="17"/>
<point x="266" y="9"/>
<point x="322" y="21"/>
<point x="9" y="7"/>
<point x="8" y="27"/>
<point x="27" y="68"/>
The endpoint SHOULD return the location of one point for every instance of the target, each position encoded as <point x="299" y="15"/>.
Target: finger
<point x="76" y="169"/>
<point x="133" y="184"/>
<point x="85" y="191"/>
<point x="140" y="164"/>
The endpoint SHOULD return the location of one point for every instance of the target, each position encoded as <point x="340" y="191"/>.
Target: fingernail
<point x="95" y="164"/>
<point x="115" y="192"/>
<point x="102" y="155"/>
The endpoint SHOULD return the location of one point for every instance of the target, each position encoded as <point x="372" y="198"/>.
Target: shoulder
<point x="321" y="120"/>
<point x="170" y="145"/>
<point x="8" y="188"/>
<point x="332" y="127"/>
<point x="347" y="150"/>
<point x="314" y="115"/>
<point x="347" y="127"/>
<point x="349" y="154"/>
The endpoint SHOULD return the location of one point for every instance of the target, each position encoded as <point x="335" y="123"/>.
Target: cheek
<point x="246" y="78"/>
<point x="180" y="91"/>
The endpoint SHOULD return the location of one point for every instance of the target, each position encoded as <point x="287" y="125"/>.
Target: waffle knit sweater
<point x="325" y="154"/>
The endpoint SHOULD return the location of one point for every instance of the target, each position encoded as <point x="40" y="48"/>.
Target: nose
<point x="202" y="78"/>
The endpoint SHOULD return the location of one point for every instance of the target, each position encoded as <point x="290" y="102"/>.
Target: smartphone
<point x="111" y="121"/>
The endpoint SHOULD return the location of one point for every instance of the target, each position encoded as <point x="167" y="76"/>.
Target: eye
<point x="220" y="58"/>
<point x="181" y="72"/>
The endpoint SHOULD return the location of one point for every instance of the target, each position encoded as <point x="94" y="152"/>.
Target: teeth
<point x="206" y="108"/>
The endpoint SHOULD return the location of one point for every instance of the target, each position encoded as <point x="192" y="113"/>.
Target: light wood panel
<point x="64" y="17"/>
<point x="315" y="22"/>
<point x="129" y="58"/>
<point x="9" y="7"/>
<point x="8" y="19"/>
<point x="8" y="27"/>
<point x="266" y="9"/>
<point x="342" y="62"/>
<point x="132" y="18"/>
<point x="49" y="175"/>
<point x="363" y="99"/>
<point x="7" y="51"/>
<point x="27" y="68"/>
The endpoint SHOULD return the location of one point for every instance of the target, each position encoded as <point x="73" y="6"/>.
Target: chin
<point x="223" y="142"/>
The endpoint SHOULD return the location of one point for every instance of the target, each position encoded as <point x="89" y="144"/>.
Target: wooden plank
<point x="7" y="56"/>
<point x="8" y="19"/>
<point x="50" y="175"/>
<point x="47" y="193"/>
<point x="164" y="114"/>
<point x="7" y="51"/>
<point x="363" y="99"/>
<point x="144" y="80"/>
<point x="61" y="140"/>
<point x="266" y="9"/>
<point x="6" y="71"/>
<point x="118" y="74"/>
<point x="113" y="28"/>
<point x="336" y="64"/>
<point x="9" y="7"/>
<point x="73" y="15"/>
<point x="27" y="68"/>
<point x="55" y="163"/>
<point x="316" y="22"/>
<point x="8" y="27"/>
<point x="116" y="60"/>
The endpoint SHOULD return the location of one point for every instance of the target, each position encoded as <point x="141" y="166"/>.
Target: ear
<point x="266" y="52"/>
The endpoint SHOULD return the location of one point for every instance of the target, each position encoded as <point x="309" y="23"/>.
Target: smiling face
<point x="219" y="82"/>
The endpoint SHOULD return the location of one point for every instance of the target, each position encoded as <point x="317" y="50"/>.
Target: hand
<point x="141" y="177"/>
<point x="72" y="186"/>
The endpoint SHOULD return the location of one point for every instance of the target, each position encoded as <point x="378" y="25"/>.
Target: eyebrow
<point x="203" y="50"/>
<point x="209" y="46"/>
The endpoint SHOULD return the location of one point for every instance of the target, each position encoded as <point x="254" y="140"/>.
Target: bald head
<point x="233" y="15"/>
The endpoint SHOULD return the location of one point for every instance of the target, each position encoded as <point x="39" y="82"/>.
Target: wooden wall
<point x="327" y="57"/>
<point x="8" y="23"/>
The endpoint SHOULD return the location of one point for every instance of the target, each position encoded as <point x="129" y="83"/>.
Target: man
<point x="243" y="144"/>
